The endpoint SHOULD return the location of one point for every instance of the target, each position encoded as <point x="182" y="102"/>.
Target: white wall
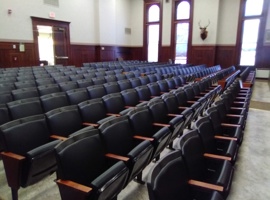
<point x="228" y="22"/>
<point x="167" y="17"/>
<point x="203" y="11"/>
<point x="136" y="22"/>
<point x="18" y="25"/>
<point x="123" y="20"/>
<point x="104" y="21"/>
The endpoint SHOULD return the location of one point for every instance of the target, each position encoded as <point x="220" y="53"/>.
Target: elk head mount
<point x="204" y="31"/>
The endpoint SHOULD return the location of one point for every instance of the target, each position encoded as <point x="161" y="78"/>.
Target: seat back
<point x="92" y="110"/>
<point x="65" y="86"/>
<point x="118" y="135"/>
<point x="111" y="87"/>
<point x="53" y="101"/>
<point x="130" y="97"/>
<point x="96" y="91"/>
<point x="143" y="92"/>
<point x="29" y="137"/>
<point x="154" y="89"/>
<point x="77" y="96"/>
<point x="124" y="84"/>
<point x="48" y="89"/>
<point x="64" y="121"/>
<point x="4" y="114"/>
<point x="25" y="93"/>
<point x="114" y="103"/>
<point x="206" y="132"/>
<point x="168" y="178"/>
<point x="24" y="108"/>
<point x="193" y="157"/>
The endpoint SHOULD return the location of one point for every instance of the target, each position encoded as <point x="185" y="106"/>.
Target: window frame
<point x="147" y="5"/>
<point x="261" y="31"/>
<point x="175" y="4"/>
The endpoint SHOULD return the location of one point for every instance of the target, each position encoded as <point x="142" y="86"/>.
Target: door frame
<point x="49" y="22"/>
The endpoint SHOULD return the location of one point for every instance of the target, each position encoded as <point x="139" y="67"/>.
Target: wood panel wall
<point x="209" y="55"/>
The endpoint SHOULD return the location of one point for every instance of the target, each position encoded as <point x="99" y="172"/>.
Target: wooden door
<point x="61" y="39"/>
<point x="60" y="46"/>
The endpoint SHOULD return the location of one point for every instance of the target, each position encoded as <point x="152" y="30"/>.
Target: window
<point x="181" y="28"/>
<point x="251" y="22"/>
<point x="152" y="33"/>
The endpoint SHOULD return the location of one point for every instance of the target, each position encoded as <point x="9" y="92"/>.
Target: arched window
<point x="251" y="21"/>
<point x="152" y="30"/>
<point x="153" y="14"/>
<point x="181" y="28"/>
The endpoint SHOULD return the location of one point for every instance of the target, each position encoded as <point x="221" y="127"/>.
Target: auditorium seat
<point x="4" y="114"/>
<point x="24" y="108"/>
<point x="65" y="86"/>
<point x="144" y="127"/>
<point x="5" y="97"/>
<point x="203" y="166"/>
<point x="124" y="84"/>
<point x="225" y="146"/>
<point x="118" y="138"/>
<point x="82" y="163"/>
<point x="77" y="96"/>
<point x="162" y="117"/>
<point x="25" y="84"/>
<point x="84" y="83"/>
<point x="48" y="89"/>
<point x="28" y="152"/>
<point x="96" y="91"/>
<point x="223" y="129"/>
<point x="93" y="112"/>
<point x="64" y="121"/>
<point x="54" y="100"/>
<point x="169" y="179"/>
<point x="25" y="93"/>
<point x="111" y="87"/>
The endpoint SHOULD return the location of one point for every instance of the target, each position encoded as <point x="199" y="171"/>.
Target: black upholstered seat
<point x="82" y="163"/>
<point x="169" y="179"/>
<point x="117" y="135"/>
<point x="28" y="152"/>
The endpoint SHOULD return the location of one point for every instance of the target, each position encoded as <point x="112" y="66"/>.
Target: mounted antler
<point x="204" y="32"/>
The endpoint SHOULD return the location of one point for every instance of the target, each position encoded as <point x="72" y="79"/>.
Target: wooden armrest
<point x="174" y="115"/>
<point x="206" y="185"/>
<point x="74" y="185"/>
<point x="129" y="106"/>
<point x="182" y="107"/>
<point x="232" y="115"/>
<point x="12" y="155"/>
<point x="159" y="124"/>
<point x="143" y="138"/>
<point x="90" y="124"/>
<point x="13" y="164"/>
<point x="58" y="137"/>
<point x="141" y="101"/>
<point x="209" y="155"/>
<point x="236" y="108"/>
<point x="118" y="157"/>
<point x="191" y="101"/>
<point x="225" y="137"/>
<point x="113" y="114"/>
<point x="230" y="125"/>
<point x="239" y="102"/>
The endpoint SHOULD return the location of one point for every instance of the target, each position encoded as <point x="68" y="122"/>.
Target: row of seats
<point x="152" y="108"/>
<point x="36" y="105"/>
<point x="63" y="121"/>
<point x="202" y="164"/>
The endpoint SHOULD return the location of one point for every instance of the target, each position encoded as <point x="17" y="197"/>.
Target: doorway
<point x="52" y="41"/>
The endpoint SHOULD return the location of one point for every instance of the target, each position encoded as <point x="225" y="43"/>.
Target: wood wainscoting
<point x="11" y="56"/>
<point x="80" y="53"/>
